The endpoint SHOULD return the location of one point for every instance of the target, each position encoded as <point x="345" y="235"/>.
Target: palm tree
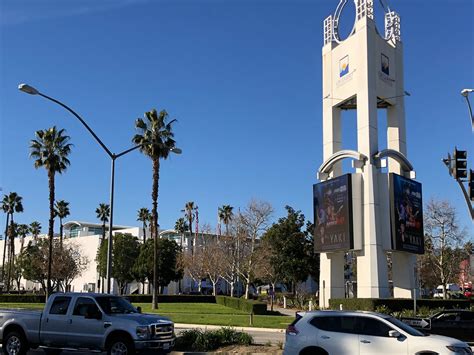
<point x="103" y="214"/>
<point x="11" y="203"/>
<point x="155" y="138"/>
<point x="144" y="216"/>
<point x="50" y="150"/>
<point x="225" y="215"/>
<point x="189" y="209"/>
<point x="35" y="229"/>
<point x="12" y="233"/>
<point x="181" y="227"/>
<point x="22" y="230"/>
<point x="61" y="210"/>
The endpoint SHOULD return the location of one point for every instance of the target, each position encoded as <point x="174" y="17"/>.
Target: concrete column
<point x="331" y="283"/>
<point x="331" y="280"/>
<point x="403" y="264"/>
<point x="372" y="275"/>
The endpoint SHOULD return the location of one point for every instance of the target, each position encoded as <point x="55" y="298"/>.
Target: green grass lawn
<point x="195" y="313"/>
<point x="215" y="314"/>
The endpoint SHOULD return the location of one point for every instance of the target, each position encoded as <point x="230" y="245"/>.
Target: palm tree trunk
<point x="50" y="230"/>
<point x="5" y="241"/>
<point x="154" y="213"/>
<point x="11" y="252"/>
<point x="144" y="232"/>
<point x="61" y="233"/>
<point x="191" y="239"/>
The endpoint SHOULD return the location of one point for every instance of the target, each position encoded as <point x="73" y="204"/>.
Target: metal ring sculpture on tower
<point x="357" y="3"/>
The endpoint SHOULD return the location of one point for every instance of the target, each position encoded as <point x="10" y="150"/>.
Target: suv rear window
<point x="341" y="324"/>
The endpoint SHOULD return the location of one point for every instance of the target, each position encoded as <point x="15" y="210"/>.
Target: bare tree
<point x="264" y="269"/>
<point x="228" y="252"/>
<point x="194" y="266"/>
<point x="444" y="239"/>
<point x="251" y="224"/>
<point x="212" y="262"/>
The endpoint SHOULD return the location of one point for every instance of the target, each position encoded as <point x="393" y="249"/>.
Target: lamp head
<point x="466" y="92"/>
<point x="28" y="89"/>
<point x="176" y="150"/>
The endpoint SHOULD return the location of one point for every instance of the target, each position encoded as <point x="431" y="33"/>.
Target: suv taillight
<point x="291" y="330"/>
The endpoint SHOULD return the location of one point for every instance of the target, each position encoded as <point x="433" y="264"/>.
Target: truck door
<point x="54" y="322"/>
<point x="85" y="330"/>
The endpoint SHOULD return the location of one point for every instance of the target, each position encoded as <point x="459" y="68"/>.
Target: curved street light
<point x="465" y="93"/>
<point x="32" y="91"/>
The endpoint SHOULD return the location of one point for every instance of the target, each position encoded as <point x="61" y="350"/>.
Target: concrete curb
<point x="205" y="326"/>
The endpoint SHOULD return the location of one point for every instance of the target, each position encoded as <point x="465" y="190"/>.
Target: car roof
<point x="90" y="294"/>
<point x="342" y="313"/>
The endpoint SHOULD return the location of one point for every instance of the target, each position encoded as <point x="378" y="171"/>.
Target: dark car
<point x="454" y="323"/>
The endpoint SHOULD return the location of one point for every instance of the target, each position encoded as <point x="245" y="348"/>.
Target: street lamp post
<point x="465" y="93"/>
<point x="32" y="91"/>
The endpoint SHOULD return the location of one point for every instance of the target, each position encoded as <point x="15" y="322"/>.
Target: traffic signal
<point x="460" y="164"/>
<point x="471" y="184"/>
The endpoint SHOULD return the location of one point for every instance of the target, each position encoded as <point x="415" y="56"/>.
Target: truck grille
<point x="162" y="331"/>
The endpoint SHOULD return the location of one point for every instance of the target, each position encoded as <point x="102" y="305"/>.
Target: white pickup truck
<point x="85" y="321"/>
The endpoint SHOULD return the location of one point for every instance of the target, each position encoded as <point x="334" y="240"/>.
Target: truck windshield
<point x="115" y="305"/>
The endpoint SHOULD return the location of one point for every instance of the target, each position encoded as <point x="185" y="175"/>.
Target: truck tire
<point x="14" y="343"/>
<point x="119" y="346"/>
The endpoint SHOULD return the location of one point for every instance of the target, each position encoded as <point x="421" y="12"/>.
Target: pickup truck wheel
<point x="14" y="343"/>
<point x="120" y="347"/>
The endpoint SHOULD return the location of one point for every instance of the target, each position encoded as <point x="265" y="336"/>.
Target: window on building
<point x="74" y="231"/>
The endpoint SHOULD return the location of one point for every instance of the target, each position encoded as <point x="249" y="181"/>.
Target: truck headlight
<point x="458" y="349"/>
<point x="143" y="332"/>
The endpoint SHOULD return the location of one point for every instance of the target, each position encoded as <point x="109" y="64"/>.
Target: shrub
<point x="198" y="340"/>
<point x="243" y="338"/>
<point x="247" y="306"/>
<point x="26" y="298"/>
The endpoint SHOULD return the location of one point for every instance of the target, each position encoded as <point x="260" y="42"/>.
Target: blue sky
<point x="243" y="78"/>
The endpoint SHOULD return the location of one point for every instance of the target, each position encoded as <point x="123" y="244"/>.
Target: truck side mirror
<point x="139" y="309"/>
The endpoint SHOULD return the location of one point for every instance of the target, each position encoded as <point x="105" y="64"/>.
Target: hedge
<point x="26" y="298"/>
<point x="394" y="304"/>
<point x="172" y="298"/>
<point x="249" y="306"/>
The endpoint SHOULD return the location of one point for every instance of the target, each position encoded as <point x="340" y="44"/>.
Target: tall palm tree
<point x="181" y="227"/>
<point x="144" y="216"/>
<point x="189" y="209"/>
<point x="22" y="230"/>
<point x="103" y="214"/>
<point x="35" y="229"/>
<point x="225" y="215"/>
<point x="61" y="210"/>
<point x="12" y="233"/>
<point x="50" y="150"/>
<point x="156" y="140"/>
<point x="11" y="203"/>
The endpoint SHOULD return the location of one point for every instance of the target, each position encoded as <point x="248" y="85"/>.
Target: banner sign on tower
<point x="406" y="207"/>
<point x="333" y="226"/>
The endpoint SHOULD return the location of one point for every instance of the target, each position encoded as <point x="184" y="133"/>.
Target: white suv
<point x="357" y="332"/>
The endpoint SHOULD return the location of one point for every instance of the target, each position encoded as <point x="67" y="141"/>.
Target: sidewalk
<point x="285" y="311"/>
